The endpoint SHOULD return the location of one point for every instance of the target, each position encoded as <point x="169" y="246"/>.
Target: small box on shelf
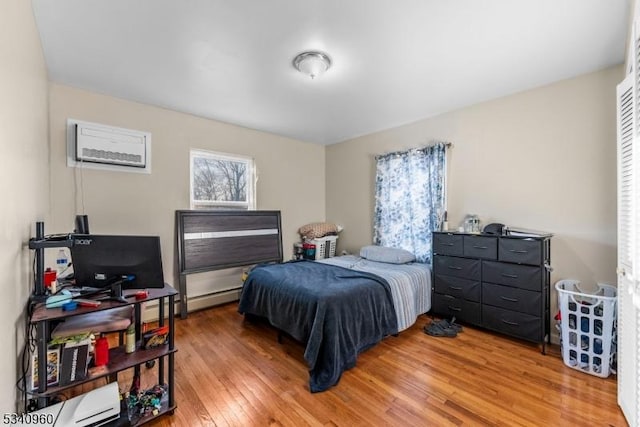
<point x="155" y="337"/>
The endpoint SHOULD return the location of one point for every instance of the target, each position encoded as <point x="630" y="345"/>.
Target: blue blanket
<point x="336" y="311"/>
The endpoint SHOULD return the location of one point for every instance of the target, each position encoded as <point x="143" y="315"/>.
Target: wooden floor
<point x="232" y="372"/>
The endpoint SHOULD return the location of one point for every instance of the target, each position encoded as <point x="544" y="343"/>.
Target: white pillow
<point x="386" y="254"/>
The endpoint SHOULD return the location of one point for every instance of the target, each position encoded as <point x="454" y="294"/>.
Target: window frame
<point x="249" y="204"/>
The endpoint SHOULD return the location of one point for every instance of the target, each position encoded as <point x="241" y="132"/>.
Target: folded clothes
<point x="117" y="319"/>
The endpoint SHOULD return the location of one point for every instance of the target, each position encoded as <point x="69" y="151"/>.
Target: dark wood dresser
<point x="501" y="283"/>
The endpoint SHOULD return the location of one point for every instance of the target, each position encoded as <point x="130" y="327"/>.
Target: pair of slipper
<point x="443" y="328"/>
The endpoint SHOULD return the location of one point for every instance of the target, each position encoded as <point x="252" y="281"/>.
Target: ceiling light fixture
<point x="312" y="64"/>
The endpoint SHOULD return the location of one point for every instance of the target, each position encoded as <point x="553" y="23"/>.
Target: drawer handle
<point x="447" y="244"/>
<point x="480" y="247"/>
<point x="518" y="251"/>
<point x="509" y="299"/>
<point x="454" y="308"/>
<point x="511" y="276"/>
<point x="510" y="323"/>
<point x="453" y="267"/>
<point x="455" y="288"/>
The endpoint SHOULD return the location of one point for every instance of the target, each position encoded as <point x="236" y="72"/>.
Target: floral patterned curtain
<point x="410" y="198"/>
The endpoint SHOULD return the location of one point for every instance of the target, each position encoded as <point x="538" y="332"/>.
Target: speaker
<point x="82" y="224"/>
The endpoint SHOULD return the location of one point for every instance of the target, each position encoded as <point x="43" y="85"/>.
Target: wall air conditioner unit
<point x="96" y="146"/>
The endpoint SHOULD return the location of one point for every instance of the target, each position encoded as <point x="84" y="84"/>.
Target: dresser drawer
<point x="519" y="276"/>
<point x="512" y="323"/>
<point x="447" y="244"/>
<point x="457" y="267"/>
<point x="460" y="288"/>
<point x="480" y="247"/>
<point x="521" y="251"/>
<point x="513" y="299"/>
<point x="463" y="310"/>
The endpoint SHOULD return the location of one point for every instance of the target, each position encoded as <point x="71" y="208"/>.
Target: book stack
<point x="74" y="357"/>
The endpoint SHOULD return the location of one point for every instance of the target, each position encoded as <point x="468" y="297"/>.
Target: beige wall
<point x="542" y="159"/>
<point x="23" y="178"/>
<point x="127" y="203"/>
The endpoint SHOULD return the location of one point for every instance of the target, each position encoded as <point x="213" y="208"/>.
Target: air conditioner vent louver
<point x="113" y="157"/>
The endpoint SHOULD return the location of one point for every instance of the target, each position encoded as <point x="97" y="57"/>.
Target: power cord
<point x="25" y="356"/>
<point x="30" y="341"/>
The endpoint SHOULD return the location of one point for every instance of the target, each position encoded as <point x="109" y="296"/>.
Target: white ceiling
<point x="394" y="62"/>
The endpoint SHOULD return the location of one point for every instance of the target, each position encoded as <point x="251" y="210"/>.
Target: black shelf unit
<point x="119" y="360"/>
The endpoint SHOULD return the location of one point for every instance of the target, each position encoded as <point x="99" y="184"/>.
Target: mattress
<point x="410" y="284"/>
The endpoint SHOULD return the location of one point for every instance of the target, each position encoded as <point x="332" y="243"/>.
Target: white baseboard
<point x="150" y="311"/>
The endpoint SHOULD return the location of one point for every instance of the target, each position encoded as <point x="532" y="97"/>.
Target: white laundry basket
<point x="325" y="247"/>
<point x="587" y="326"/>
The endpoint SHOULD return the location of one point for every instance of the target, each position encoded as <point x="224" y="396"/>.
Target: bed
<point x="337" y="307"/>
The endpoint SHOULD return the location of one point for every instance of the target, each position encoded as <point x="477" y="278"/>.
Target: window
<point x="222" y="181"/>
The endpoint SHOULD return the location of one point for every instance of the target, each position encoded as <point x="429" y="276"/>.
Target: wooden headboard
<point x="213" y="240"/>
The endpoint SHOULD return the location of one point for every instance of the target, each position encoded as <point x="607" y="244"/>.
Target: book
<point x="53" y="367"/>
<point x="74" y="361"/>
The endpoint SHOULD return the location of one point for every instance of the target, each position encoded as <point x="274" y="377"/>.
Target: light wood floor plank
<point x="233" y="372"/>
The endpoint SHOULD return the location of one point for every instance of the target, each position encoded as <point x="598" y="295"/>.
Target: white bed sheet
<point x="410" y="284"/>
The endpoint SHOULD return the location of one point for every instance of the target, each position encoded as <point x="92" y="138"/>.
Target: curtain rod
<point x="400" y="152"/>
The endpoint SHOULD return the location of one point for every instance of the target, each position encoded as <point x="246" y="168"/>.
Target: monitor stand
<point x="115" y="293"/>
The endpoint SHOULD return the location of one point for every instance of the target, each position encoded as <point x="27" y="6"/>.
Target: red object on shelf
<point x="142" y="294"/>
<point x="49" y="276"/>
<point x="102" y="351"/>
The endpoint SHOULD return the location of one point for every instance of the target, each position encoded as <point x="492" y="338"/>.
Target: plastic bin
<point x="587" y="326"/>
<point x="325" y="246"/>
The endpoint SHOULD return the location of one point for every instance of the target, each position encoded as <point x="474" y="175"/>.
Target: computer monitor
<point x="117" y="262"/>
